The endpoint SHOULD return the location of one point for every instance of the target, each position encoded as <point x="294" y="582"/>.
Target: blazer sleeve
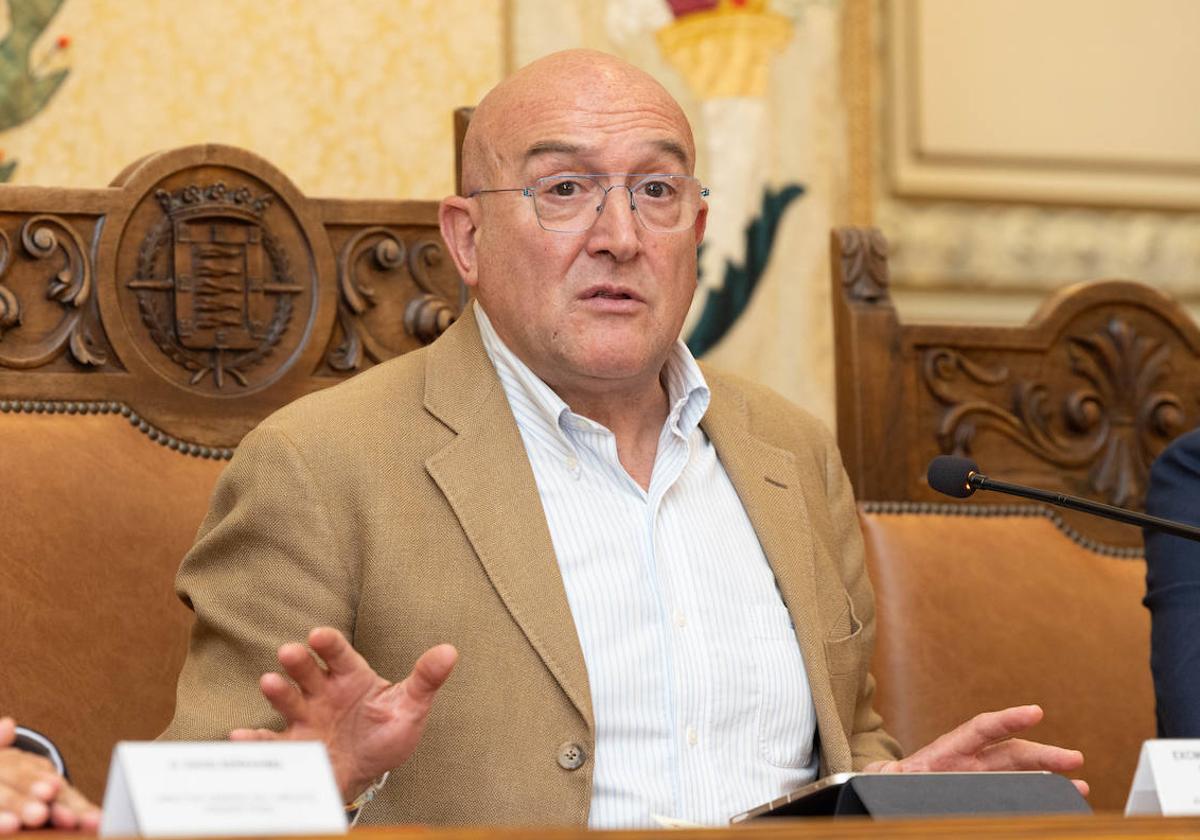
<point x="265" y="569"/>
<point x="1173" y="589"/>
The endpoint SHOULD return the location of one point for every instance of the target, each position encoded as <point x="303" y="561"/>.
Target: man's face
<point x="597" y="310"/>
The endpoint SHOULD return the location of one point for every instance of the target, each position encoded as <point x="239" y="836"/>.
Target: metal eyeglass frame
<point x="642" y="177"/>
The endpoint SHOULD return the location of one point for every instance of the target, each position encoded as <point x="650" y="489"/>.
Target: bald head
<point x="561" y="103"/>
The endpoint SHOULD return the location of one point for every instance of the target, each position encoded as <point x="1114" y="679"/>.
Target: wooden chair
<point x="993" y="601"/>
<point x="1081" y="399"/>
<point x="144" y="329"/>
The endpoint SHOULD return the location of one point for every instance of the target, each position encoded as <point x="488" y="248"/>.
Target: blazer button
<point x="571" y="756"/>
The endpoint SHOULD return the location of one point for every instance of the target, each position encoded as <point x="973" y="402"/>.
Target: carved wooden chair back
<point x="992" y="601"/>
<point x="1081" y="399"/>
<point x="144" y="329"/>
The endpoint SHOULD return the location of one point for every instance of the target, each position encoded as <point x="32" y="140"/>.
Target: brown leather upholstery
<point x="95" y="519"/>
<point x="979" y="612"/>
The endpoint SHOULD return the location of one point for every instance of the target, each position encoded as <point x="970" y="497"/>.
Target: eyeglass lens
<point x="572" y="203"/>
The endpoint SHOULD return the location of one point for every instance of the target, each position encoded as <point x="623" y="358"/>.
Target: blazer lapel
<point x="770" y="487"/>
<point x="486" y="477"/>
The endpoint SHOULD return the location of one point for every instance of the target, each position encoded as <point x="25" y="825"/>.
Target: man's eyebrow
<point x="673" y="149"/>
<point x="551" y="147"/>
<point x="559" y="147"/>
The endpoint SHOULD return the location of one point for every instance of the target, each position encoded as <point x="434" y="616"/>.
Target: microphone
<point x="960" y="477"/>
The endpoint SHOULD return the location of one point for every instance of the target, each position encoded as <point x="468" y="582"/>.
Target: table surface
<point x="980" y="828"/>
<point x="988" y="828"/>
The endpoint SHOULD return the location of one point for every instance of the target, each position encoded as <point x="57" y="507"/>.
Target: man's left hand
<point x="987" y="742"/>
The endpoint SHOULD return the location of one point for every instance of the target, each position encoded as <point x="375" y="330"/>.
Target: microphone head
<point x="950" y="475"/>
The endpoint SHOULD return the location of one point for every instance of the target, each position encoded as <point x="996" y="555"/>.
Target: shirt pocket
<point x="786" y="715"/>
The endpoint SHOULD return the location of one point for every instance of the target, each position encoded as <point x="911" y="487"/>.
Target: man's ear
<point x="701" y="222"/>
<point x="458" y="221"/>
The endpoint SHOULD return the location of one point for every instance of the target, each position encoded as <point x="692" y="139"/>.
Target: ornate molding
<point x="425" y="317"/>
<point x="428" y="315"/>
<point x="387" y="253"/>
<point x="1114" y="424"/>
<point x="863" y="253"/>
<point x="42" y="237"/>
<point x="10" y="307"/>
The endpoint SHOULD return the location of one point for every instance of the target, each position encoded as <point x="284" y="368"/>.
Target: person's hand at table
<point x="369" y="725"/>
<point x="33" y="795"/>
<point x="987" y="742"/>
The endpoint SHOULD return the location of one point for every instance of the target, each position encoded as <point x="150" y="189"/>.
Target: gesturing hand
<point x="368" y="725"/>
<point x="32" y="794"/>
<point x="986" y="742"/>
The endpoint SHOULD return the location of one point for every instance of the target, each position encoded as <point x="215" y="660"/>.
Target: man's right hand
<point x="368" y="725"/>
<point x="33" y="795"/>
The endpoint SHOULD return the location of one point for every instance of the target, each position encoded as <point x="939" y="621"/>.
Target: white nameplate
<point x="187" y="789"/>
<point x="1167" y="781"/>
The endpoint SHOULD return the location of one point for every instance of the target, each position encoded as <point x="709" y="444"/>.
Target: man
<point x="1173" y="589"/>
<point x="652" y="576"/>
<point x="33" y="793"/>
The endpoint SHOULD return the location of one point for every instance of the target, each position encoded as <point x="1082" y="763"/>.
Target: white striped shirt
<point x="700" y="697"/>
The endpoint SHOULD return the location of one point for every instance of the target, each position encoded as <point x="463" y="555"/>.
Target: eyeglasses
<point x="573" y="203"/>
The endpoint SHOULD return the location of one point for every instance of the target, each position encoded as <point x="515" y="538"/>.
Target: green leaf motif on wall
<point x="24" y="93"/>
<point x="725" y="305"/>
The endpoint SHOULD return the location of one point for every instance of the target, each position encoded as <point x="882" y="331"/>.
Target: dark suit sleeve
<point x="1173" y="590"/>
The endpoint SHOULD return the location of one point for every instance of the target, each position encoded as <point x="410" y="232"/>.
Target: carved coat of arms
<point x="212" y="283"/>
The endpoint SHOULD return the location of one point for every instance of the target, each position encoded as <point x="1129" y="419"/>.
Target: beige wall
<point x="1021" y="145"/>
<point x="348" y="97"/>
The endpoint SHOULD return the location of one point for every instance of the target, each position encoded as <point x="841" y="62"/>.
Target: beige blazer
<point x="400" y="507"/>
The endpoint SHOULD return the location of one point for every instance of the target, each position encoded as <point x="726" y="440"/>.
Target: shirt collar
<point x="687" y="390"/>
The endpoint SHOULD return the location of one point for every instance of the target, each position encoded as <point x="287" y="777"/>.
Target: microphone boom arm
<point x="978" y="481"/>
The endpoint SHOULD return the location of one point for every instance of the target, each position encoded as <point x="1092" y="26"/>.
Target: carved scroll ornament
<point x="425" y="318"/>
<point x="1115" y="423"/>
<point x="47" y="238"/>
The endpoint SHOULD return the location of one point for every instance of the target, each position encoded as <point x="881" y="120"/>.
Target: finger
<point x="75" y="801"/>
<point x="429" y="673"/>
<point x="989" y="728"/>
<point x="26" y="774"/>
<point x="1081" y="786"/>
<point x="1019" y="754"/>
<point x="9" y="823"/>
<point x="284" y="697"/>
<point x="336" y="651"/>
<point x="62" y="817"/>
<point x="46" y="789"/>
<point x="254" y="735"/>
<point x="8" y="731"/>
<point x="89" y="821"/>
<point x="34" y="814"/>
<point x="301" y="667"/>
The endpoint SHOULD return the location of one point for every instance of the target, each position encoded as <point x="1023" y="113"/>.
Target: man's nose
<point x="616" y="231"/>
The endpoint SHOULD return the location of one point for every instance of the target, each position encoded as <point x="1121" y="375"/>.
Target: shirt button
<point x="692" y="737"/>
<point x="679" y="618"/>
<point x="571" y="756"/>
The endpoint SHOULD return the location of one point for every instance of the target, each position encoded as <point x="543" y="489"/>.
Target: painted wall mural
<point x="26" y="88"/>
